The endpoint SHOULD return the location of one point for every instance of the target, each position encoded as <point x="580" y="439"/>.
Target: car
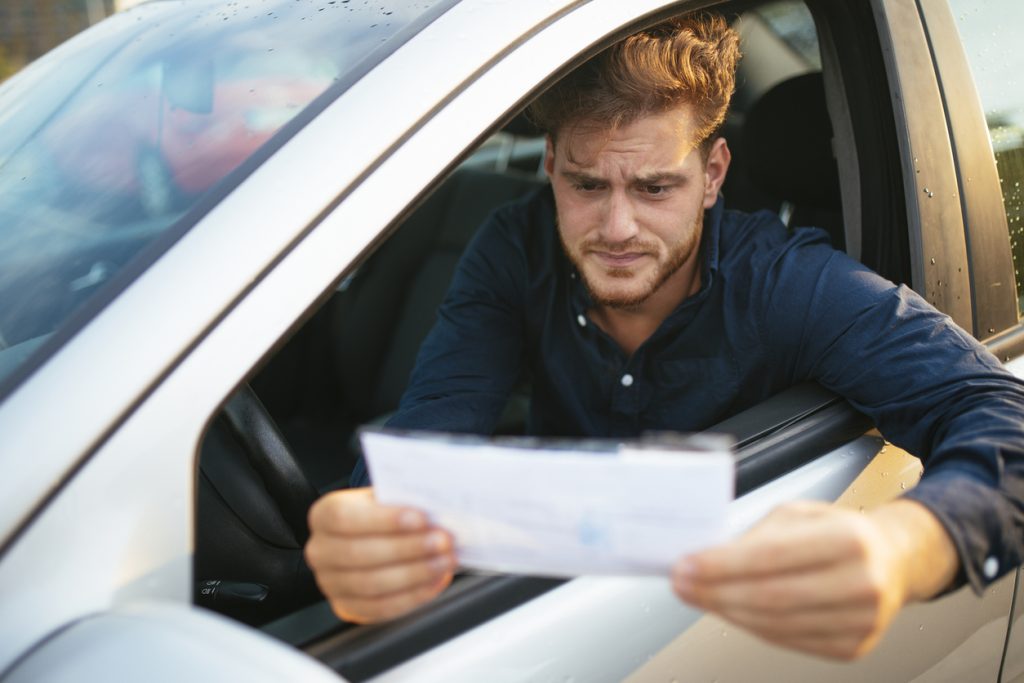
<point x="183" y="367"/>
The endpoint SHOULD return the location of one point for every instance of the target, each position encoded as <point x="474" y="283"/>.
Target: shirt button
<point x="582" y="320"/>
<point x="991" y="567"/>
<point x="627" y="380"/>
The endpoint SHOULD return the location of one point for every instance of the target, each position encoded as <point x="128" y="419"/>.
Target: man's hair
<point x="689" y="60"/>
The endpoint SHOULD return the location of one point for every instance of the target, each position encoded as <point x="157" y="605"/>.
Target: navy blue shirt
<point x="775" y="308"/>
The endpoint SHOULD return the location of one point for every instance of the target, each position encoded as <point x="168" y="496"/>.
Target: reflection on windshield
<point x="108" y="140"/>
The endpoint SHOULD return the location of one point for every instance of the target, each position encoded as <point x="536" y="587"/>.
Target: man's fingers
<point x="356" y="512"/>
<point x="373" y="561"/>
<point x="383" y="582"/>
<point x="785" y="541"/>
<point x="333" y="553"/>
<point x="831" y="586"/>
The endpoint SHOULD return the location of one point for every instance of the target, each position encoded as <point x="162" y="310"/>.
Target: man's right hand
<point x="375" y="562"/>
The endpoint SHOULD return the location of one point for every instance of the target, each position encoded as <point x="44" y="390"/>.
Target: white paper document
<point x="559" y="509"/>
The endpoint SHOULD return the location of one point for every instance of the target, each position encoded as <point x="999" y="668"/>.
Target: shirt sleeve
<point x="473" y="356"/>
<point x="930" y="387"/>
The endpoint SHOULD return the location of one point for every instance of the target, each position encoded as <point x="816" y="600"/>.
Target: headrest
<point x="787" y="140"/>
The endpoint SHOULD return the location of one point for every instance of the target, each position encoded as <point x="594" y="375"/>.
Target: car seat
<point x="378" y="324"/>
<point x="785" y="155"/>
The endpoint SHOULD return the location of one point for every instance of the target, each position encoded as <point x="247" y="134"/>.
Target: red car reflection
<point x="172" y="137"/>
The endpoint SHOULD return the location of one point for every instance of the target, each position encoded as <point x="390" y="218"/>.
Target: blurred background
<point x="29" y="28"/>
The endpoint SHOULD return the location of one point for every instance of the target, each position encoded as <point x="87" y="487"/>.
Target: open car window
<point x="349" y="363"/>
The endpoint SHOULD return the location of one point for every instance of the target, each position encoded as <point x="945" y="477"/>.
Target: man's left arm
<point x="822" y="579"/>
<point x="826" y="580"/>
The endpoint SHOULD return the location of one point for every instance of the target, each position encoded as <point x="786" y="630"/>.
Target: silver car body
<point x="100" y="443"/>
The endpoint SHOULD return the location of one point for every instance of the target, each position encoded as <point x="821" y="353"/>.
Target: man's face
<point x="631" y="202"/>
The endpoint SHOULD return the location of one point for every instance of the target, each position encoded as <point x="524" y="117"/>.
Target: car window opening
<point x="348" y="365"/>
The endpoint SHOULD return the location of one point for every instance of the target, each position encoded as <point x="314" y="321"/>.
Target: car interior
<point x="287" y="436"/>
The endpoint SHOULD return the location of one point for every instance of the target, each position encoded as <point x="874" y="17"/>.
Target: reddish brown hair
<point x="688" y="60"/>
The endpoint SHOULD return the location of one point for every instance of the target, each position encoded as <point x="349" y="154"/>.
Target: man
<point x="638" y="303"/>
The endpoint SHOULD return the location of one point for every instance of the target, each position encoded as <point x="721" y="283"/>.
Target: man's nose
<point x="619" y="222"/>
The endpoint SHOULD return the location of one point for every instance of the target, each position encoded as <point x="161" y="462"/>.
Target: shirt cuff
<point x="978" y="519"/>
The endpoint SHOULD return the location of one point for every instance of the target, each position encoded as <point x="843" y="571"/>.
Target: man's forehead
<point x="666" y="137"/>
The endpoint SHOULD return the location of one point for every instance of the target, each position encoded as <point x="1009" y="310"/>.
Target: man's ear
<point x="714" y="171"/>
<point x="549" y="156"/>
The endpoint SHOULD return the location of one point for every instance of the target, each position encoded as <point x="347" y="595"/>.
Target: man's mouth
<point x="618" y="259"/>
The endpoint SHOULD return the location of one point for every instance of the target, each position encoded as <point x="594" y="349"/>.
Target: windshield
<point x="110" y="139"/>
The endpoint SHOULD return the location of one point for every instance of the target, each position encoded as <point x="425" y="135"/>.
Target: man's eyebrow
<point x="658" y="178"/>
<point x="581" y="178"/>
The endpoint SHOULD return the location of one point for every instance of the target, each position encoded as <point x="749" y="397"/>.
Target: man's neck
<point x="631" y="327"/>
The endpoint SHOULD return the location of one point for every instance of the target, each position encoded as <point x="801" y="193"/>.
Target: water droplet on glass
<point x="920" y="627"/>
<point x="903" y="485"/>
<point x="933" y="262"/>
<point x="725" y="633"/>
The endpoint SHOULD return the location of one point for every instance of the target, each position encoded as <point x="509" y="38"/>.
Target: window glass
<point x="792" y="22"/>
<point x="110" y="139"/>
<point x="991" y="36"/>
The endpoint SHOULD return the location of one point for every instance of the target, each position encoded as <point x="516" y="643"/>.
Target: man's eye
<point x="586" y="187"/>
<point x="655" y="189"/>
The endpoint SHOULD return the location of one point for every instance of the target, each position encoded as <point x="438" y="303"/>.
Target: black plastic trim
<point x="797" y="444"/>
<point x="359" y="653"/>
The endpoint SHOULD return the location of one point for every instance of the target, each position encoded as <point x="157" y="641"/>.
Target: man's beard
<point x="677" y="257"/>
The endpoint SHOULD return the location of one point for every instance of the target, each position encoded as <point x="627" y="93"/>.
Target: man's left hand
<point x="822" y="579"/>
